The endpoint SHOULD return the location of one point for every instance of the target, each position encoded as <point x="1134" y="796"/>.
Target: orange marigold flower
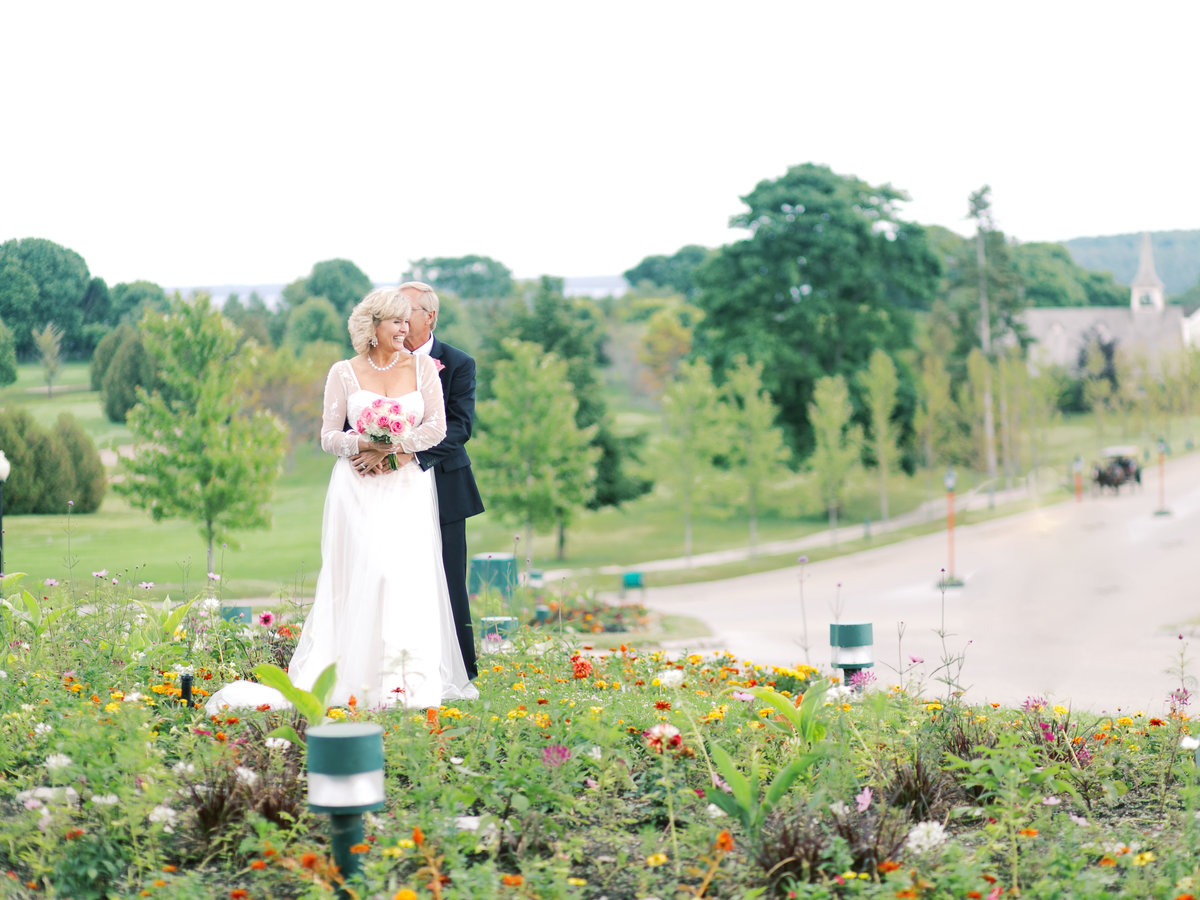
<point x="221" y="736"/>
<point x="353" y="702"/>
<point x="724" y="842"/>
<point x="1106" y="861"/>
<point x="308" y="860"/>
<point x="513" y="880"/>
<point x="1157" y="722"/>
<point x="360" y="848"/>
<point x="263" y="707"/>
<point x="170" y="868"/>
<point x="238" y="894"/>
<point x="888" y="865"/>
<point x="405" y="894"/>
<point x="232" y="720"/>
<point x="1028" y="832"/>
<point x="974" y="895"/>
<point x="258" y="864"/>
<point x="662" y="704"/>
<point x="1185" y="897"/>
<point x="990" y="879"/>
<point x="158" y="882"/>
<point x="907" y="893"/>
<point x="418" y="836"/>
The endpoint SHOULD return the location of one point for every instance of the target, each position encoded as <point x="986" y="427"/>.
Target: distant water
<point x="581" y="286"/>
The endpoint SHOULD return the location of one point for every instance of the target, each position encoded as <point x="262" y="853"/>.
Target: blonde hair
<point x="380" y="304"/>
<point x="426" y="297"/>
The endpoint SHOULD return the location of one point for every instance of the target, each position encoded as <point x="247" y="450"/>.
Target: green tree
<point x="290" y="385"/>
<point x="315" y="320"/>
<point x="129" y="301"/>
<point x="835" y="455"/>
<point x="757" y="452"/>
<point x="880" y="383"/>
<point x="829" y="273"/>
<point x="62" y="280"/>
<point x="471" y="277"/>
<point x="537" y="464"/>
<point x="89" y="482"/>
<point x="106" y="349"/>
<point x="981" y="213"/>
<point x="197" y="454"/>
<point x="676" y="272"/>
<point x="8" y="355"/>
<point x="48" y="341"/>
<point x="18" y="302"/>
<point x="131" y="370"/>
<point x="666" y="342"/>
<point x="695" y="428"/>
<point x="340" y="282"/>
<point x="42" y="479"/>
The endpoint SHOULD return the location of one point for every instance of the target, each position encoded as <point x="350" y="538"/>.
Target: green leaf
<point x="306" y="703"/>
<point x="323" y="686"/>
<point x="784" y="780"/>
<point x="288" y="733"/>
<point x="173" y="620"/>
<point x="733" y="777"/>
<point x="35" y="611"/>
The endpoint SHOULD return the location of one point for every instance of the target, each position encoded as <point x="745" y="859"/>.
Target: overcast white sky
<point x="240" y="142"/>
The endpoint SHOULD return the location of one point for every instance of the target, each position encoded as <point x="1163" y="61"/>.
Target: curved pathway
<point x="1079" y="603"/>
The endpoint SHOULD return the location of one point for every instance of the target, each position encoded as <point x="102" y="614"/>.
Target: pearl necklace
<point x="371" y="362"/>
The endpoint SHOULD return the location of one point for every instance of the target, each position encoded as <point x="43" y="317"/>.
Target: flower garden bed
<point x="585" y="770"/>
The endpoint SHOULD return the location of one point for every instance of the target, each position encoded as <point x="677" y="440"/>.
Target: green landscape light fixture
<point x="5" y="468"/>
<point x="853" y="647"/>
<point x="345" y="779"/>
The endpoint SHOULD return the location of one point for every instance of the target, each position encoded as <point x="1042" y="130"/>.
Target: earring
<point x="374" y="342"/>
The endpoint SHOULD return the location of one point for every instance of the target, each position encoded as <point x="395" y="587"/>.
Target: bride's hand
<point x="369" y="461"/>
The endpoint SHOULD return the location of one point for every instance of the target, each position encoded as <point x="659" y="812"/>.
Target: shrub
<point x="131" y="367"/>
<point x="49" y="467"/>
<point x="90" y="481"/>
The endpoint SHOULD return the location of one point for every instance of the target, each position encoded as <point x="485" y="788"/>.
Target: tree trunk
<point x="562" y="540"/>
<point x="753" y="524"/>
<point x="985" y="340"/>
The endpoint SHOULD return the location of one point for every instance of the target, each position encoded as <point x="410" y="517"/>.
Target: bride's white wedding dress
<point x="381" y="610"/>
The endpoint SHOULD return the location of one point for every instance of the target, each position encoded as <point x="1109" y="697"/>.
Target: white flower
<point x="670" y="677"/>
<point x="1187" y="742"/>
<point x="184" y="768"/>
<point x="133" y="697"/>
<point x="105" y="799"/>
<point x="165" y="816"/>
<point x="839" y="808"/>
<point x="210" y="604"/>
<point x="184" y="670"/>
<point x="57" y="761"/>
<point x="1050" y="801"/>
<point x="42" y="728"/>
<point x="926" y="836"/>
<point x="278" y="743"/>
<point x="713" y="811"/>
<point x="596" y="753"/>
<point x="1078" y="820"/>
<point x="3" y="674"/>
<point x="456" y="760"/>
<point x="248" y="777"/>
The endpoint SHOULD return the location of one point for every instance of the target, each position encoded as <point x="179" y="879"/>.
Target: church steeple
<point x="1146" y="291"/>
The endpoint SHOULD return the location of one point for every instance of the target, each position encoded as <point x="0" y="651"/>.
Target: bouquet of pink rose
<point x="384" y="422"/>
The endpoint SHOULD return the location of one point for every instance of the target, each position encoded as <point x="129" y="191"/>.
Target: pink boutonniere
<point x="440" y="365"/>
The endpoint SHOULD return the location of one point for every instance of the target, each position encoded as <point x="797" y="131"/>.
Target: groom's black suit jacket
<point x="458" y="496"/>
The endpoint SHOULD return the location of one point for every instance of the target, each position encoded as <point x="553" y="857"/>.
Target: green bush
<point x="49" y="466"/>
<point x="131" y="368"/>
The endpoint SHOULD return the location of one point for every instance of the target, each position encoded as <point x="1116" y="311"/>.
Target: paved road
<point x="1081" y="603"/>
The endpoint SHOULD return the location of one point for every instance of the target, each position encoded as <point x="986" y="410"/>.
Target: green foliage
<point x="49" y="466"/>
<point x="695" y="429"/>
<point x="8" y="354"/>
<point x="756" y="454"/>
<point x="676" y="272"/>
<point x="340" y="282"/>
<point x="310" y="704"/>
<point x="315" y="320"/>
<point x="129" y="370"/>
<point x="128" y="302"/>
<point x="837" y="442"/>
<point x="470" y="277"/>
<point x="48" y="342"/>
<point x="60" y="286"/>
<point x="829" y="273"/>
<point x="90" y="480"/>
<point x="879" y="384"/>
<point x="198" y="454"/>
<point x="535" y="462"/>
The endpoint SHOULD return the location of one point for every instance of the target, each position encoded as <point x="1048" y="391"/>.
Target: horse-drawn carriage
<point x="1117" y="466"/>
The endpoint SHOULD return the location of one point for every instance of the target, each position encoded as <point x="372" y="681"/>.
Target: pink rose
<point x="378" y="404"/>
<point x="385" y="422"/>
<point x="397" y="426"/>
<point x="440" y="365"/>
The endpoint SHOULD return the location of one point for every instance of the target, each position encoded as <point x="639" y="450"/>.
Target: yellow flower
<point x="656" y="859"/>
<point x="596" y="710"/>
<point x="578" y="882"/>
<point x="932" y="706"/>
<point x="846" y="707"/>
<point x="116" y="695"/>
<point x="336" y="713"/>
<point x="1124" y="720"/>
<point x="518" y="686"/>
<point x="112" y="707"/>
<point x="406" y="843"/>
<point x="1060" y="710"/>
<point x="451" y="712"/>
<point x="1142" y="858"/>
<point x="517" y="713"/>
<point x="757" y="725"/>
<point x="765" y="712"/>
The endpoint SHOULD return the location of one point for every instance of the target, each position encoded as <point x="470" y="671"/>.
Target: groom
<point x="458" y="497"/>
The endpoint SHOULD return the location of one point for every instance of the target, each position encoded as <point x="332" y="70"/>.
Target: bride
<point x="381" y="610"/>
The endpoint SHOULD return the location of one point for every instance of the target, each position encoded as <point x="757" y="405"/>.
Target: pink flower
<point x="863" y="799"/>
<point x="266" y="618"/>
<point x="378" y="404"/>
<point x="555" y="755"/>
<point x="440" y="365"/>
<point x="397" y="426"/>
<point x="385" y="421"/>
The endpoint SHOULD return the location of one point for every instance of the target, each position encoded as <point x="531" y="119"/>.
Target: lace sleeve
<point x="333" y="416"/>
<point x="431" y="429"/>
